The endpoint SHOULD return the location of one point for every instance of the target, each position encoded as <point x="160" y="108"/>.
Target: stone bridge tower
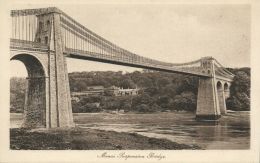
<point x="213" y="90"/>
<point x="207" y="100"/>
<point x="47" y="102"/>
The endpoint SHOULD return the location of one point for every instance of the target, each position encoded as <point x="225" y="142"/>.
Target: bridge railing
<point x="30" y="45"/>
<point x="24" y="25"/>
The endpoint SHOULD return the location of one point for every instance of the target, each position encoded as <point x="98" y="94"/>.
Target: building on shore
<point x="90" y="91"/>
<point x="116" y="91"/>
<point x="101" y="91"/>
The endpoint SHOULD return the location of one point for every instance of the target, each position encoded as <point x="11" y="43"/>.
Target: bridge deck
<point x="31" y="46"/>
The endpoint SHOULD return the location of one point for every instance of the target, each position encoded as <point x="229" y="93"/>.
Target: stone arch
<point x="226" y="86"/>
<point x="35" y="98"/>
<point x="221" y="97"/>
<point x="219" y="86"/>
<point x="226" y="90"/>
<point x="40" y="25"/>
<point x="33" y="64"/>
<point x="48" y="23"/>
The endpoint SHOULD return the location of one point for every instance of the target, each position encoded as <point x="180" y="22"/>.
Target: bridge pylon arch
<point x="35" y="97"/>
<point x="48" y="101"/>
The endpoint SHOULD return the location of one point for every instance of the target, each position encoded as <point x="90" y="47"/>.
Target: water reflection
<point x="231" y="132"/>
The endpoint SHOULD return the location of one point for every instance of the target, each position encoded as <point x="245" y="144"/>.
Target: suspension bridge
<point x="42" y="38"/>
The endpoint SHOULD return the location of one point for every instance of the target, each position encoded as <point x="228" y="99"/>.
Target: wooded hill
<point x="159" y="91"/>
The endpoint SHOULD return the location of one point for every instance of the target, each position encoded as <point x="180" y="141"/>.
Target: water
<point x="232" y="131"/>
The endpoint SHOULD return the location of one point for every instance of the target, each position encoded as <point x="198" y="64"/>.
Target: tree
<point x="142" y="99"/>
<point x="164" y="101"/>
<point x="240" y="102"/>
<point x="185" y="101"/>
<point x="162" y="82"/>
<point x="17" y="94"/>
<point x="188" y="83"/>
<point x="144" y="108"/>
<point x="151" y="91"/>
<point x="240" y="91"/>
<point x="241" y="83"/>
<point x="127" y="83"/>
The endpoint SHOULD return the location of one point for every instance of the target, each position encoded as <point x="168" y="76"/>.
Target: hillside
<point x="159" y="91"/>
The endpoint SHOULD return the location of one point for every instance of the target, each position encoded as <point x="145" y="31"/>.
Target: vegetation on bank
<point x="240" y="90"/>
<point x="87" y="139"/>
<point x="159" y="91"/>
<point x="17" y="94"/>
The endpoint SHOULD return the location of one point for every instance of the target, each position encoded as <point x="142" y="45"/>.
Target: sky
<point x="167" y="32"/>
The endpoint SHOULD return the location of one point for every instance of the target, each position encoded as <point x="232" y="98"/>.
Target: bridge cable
<point x="29" y="20"/>
<point x="19" y="26"/>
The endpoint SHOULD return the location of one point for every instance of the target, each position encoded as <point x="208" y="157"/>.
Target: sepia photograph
<point x="119" y="77"/>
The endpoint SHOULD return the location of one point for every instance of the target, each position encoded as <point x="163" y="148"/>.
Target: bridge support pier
<point x="207" y="102"/>
<point x="48" y="102"/>
<point x="34" y="108"/>
<point x="60" y="110"/>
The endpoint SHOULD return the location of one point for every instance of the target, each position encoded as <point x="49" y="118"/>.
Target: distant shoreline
<point x="228" y="111"/>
